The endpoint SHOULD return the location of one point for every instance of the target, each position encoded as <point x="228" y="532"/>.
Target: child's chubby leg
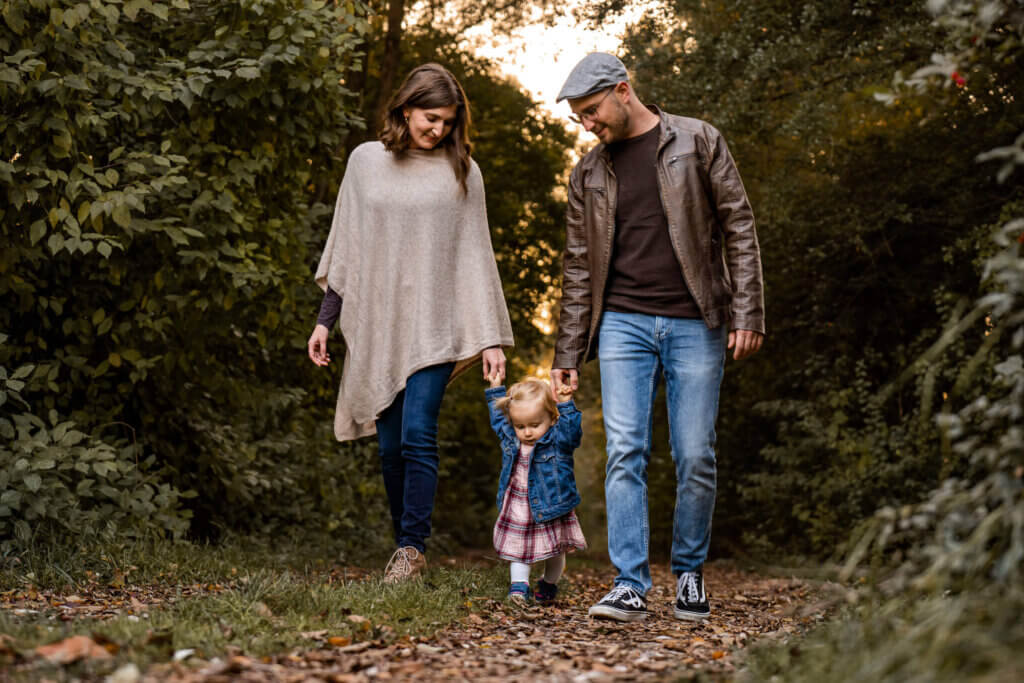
<point x="553" y="568"/>
<point x="547" y="587"/>
<point x="519" y="572"/>
<point x="519" y="585"/>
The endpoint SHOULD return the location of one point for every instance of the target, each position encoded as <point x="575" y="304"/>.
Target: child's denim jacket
<point x="552" y="482"/>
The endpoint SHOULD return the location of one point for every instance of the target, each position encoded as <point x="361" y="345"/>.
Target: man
<point x="661" y="274"/>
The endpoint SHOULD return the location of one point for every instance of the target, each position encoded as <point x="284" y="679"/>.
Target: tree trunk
<point x="355" y="80"/>
<point x="390" y="62"/>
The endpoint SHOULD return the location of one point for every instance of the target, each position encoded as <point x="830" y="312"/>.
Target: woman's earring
<point x="407" y="119"/>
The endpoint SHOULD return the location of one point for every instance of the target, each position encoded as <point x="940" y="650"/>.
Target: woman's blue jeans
<point x="634" y="351"/>
<point x="407" y="434"/>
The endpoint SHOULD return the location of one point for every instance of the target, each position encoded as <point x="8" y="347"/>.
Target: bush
<point x="59" y="483"/>
<point x="948" y="567"/>
<point x="167" y="167"/>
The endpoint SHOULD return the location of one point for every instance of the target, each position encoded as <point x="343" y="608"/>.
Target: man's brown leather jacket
<point x="710" y="224"/>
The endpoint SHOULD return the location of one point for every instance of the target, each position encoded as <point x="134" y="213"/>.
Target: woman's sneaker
<point x="622" y="603"/>
<point x="519" y="593"/>
<point x="545" y="593"/>
<point x="405" y="564"/>
<point x="691" y="598"/>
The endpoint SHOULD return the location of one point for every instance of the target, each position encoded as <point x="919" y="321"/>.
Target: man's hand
<point x="562" y="379"/>
<point x="746" y="343"/>
<point x="494" y="363"/>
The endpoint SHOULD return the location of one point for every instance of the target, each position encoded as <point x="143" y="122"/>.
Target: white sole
<point x="690" y="616"/>
<point x="605" y="612"/>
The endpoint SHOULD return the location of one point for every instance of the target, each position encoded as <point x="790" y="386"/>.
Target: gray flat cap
<point x="596" y="71"/>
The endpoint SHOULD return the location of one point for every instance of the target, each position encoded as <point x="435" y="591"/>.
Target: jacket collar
<point x="668" y="131"/>
<point x="665" y="136"/>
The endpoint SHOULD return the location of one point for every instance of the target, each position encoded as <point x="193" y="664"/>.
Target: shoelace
<point x="688" y="583"/>
<point x="623" y="591"/>
<point x="399" y="564"/>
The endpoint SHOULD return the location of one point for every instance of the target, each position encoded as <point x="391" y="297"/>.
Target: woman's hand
<point x="494" y="364"/>
<point x="317" y="346"/>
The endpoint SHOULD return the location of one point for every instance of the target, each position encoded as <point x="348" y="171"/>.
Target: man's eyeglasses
<point x="590" y="112"/>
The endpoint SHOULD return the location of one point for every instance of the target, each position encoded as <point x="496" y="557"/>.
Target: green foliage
<point x="169" y="170"/>
<point x="164" y="169"/>
<point x="58" y="483"/>
<point x="968" y="532"/>
<point x="948" y="565"/>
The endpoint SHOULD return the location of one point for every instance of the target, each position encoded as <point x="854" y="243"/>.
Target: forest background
<point x="168" y="172"/>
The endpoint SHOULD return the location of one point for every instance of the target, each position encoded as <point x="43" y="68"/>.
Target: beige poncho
<point x="411" y="257"/>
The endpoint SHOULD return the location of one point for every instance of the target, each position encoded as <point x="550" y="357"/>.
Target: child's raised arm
<point x="499" y="423"/>
<point x="569" y="427"/>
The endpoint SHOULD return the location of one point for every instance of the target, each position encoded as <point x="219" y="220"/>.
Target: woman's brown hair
<point x="430" y="86"/>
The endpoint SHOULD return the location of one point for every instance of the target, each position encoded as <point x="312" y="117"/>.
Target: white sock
<point x="553" y="568"/>
<point x="520" y="572"/>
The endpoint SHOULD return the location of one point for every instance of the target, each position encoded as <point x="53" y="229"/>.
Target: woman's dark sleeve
<point x="330" y="309"/>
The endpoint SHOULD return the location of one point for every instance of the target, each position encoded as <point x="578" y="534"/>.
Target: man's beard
<point x="617" y="126"/>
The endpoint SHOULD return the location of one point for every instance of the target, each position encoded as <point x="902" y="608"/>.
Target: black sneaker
<point x="623" y="603"/>
<point x="545" y="593"/>
<point x="691" y="598"/>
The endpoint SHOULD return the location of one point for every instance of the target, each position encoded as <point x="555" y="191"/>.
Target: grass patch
<point x="252" y="600"/>
<point x="267" y="612"/>
<point x="67" y="566"/>
<point x="968" y="637"/>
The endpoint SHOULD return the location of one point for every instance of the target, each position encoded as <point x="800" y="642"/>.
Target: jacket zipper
<point x="671" y="232"/>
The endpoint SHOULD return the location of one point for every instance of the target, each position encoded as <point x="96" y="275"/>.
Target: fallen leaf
<point x="127" y="673"/>
<point x="429" y="649"/>
<point x="72" y="649"/>
<point x="239" y="663"/>
<point x="717" y="654"/>
<point x="315" y="635"/>
<point x="180" y="655"/>
<point x="339" y="641"/>
<point x="358" y="647"/>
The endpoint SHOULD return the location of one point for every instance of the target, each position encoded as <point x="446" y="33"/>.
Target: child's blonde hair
<point x="529" y="390"/>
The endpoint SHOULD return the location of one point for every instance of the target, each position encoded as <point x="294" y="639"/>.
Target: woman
<point x="410" y="254"/>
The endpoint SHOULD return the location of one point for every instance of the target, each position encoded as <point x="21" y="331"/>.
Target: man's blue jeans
<point x="407" y="434"/>
<point x="634" y="350"/>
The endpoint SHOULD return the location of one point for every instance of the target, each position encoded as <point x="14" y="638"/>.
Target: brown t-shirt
<point x="645" y="276"/>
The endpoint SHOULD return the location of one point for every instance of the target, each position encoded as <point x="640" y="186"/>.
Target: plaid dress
<point x="520" y="539"/>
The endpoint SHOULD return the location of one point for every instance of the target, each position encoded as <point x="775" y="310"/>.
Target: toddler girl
<point x="537" y="488"/>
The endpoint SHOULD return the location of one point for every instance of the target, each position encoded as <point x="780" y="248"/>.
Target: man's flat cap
<point x="596" y="71"/>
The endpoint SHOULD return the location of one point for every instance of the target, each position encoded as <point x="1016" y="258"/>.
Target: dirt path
<point x="502" y="642"/>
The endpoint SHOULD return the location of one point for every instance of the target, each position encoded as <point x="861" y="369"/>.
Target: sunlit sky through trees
<point x="540" y="56"/>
